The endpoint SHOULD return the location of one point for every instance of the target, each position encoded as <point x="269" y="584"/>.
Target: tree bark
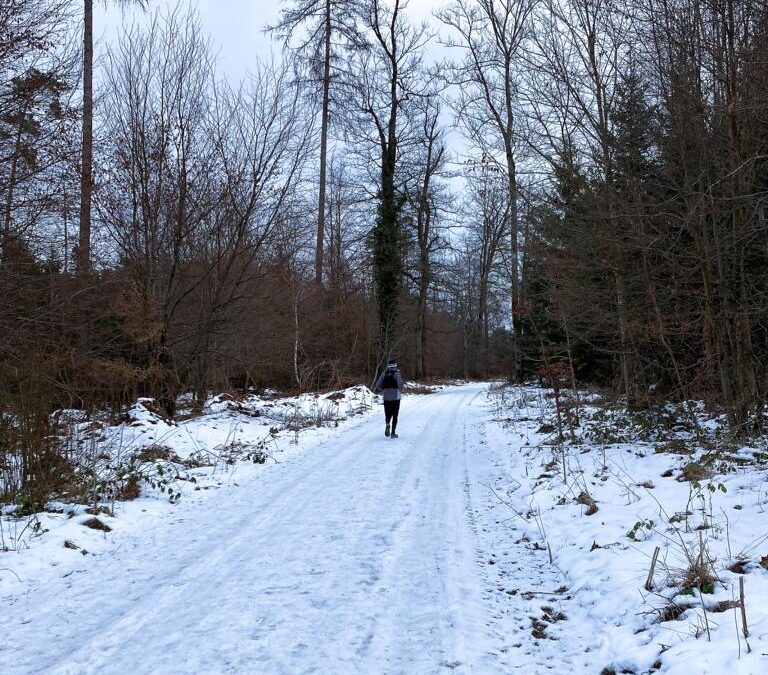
<point x="86" y="169"/>
<point x="323" y="147"/>
<point x="514" y="225"/>
<point x="425" y="276"/>
<point x="387" y="254"/>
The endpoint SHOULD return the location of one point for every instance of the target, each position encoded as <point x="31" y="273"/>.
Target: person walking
<point x="390" y="383"/>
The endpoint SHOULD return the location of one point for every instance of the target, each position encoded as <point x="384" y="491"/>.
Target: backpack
<point x="389" y="381"/>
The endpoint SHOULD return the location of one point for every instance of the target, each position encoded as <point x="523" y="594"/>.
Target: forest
<point x="573" y="190"/>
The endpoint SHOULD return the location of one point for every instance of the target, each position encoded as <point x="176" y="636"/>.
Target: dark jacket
<point x="390" y="394"/>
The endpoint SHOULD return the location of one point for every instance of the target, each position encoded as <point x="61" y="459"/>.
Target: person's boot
<point x="394" y="435"/>
<point x="386" y="430"/>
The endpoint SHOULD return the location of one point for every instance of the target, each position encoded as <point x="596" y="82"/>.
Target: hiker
<point x="390" y="383"/>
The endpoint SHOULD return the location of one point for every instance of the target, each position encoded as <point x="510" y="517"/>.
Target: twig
<point x="706" y="619"/>
<point x="727" y="532"/>
<point x="649" y="580"/>
<point x="506" y="503"/>
<point x="736" y="621"/>
<point x="744" y="628"/>
<point x="5" y="569"/>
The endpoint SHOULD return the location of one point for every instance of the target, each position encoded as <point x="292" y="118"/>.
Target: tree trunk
<point x="296" y="374"/>
<point x="86" y="170"/>
<point x="386" y="253"/>
<point x="514" y="261"/>
<point x="387" y="232"/>
<point x="621" y="311"/>
<point x="323" y="147"/>
<point x="421" y="318"/>
<point x="12" y="184"/>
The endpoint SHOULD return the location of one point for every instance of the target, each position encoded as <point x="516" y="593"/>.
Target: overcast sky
<point x="235" y="26"/>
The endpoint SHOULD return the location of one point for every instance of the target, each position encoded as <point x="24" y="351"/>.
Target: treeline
<point x="198" y="270"/>
<point x="599" y="210"/>
<point x="651" y="253"/>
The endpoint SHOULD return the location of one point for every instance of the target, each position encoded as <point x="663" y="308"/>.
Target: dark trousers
<point x="391" y="408"/>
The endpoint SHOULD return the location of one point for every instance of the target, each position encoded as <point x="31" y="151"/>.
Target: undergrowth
<point x="693" y="573"/>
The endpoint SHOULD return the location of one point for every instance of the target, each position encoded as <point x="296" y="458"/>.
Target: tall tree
<point x="385" y="79"/>
<point x="86" y="162"/>
<point x="36" y="71"/>
<point x="426" y="197"/>
<point x="486" y="214"/>
<point x="327" y="22"/>
<point x="493" y="35"/>
<point x="584" y="45"/>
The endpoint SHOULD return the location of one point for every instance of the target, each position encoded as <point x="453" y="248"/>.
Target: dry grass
<point x="96" y="524"/>
<point x="694" y="472"/>
<point x="130" y="490"/>
<point x="155" y="453"/>
<point x="587" y="500"/>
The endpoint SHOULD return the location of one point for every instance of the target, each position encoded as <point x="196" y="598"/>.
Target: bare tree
<point x="35" y="112"/>
<point x="86" y="166"/>
<point x="384" y="78"/>
<point x="494" y="35"/>
<point x="427" y="198"/>
<point x="261" y="133"/>
<point x="487" y="219"/>
<point x="328" y="24"/>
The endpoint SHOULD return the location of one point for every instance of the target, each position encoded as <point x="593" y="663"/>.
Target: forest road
<point x="360" y="555"/>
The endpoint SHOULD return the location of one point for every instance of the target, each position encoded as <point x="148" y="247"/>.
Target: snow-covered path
<point x="361" y="555"/>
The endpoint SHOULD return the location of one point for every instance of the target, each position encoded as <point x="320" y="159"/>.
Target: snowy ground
<point x="461" y="547"/>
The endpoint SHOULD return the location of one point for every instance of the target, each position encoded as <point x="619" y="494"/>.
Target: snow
<point x="458" y="548"/>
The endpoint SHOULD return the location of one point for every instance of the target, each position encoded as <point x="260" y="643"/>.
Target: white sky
<point x="235" y="26"/>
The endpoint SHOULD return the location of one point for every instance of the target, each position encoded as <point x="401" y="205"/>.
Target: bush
<point x="32" y="464"/>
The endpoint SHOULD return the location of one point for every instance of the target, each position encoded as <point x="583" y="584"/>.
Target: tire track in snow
<point x="431" y="567"/>
<point x="227" y="552"/>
